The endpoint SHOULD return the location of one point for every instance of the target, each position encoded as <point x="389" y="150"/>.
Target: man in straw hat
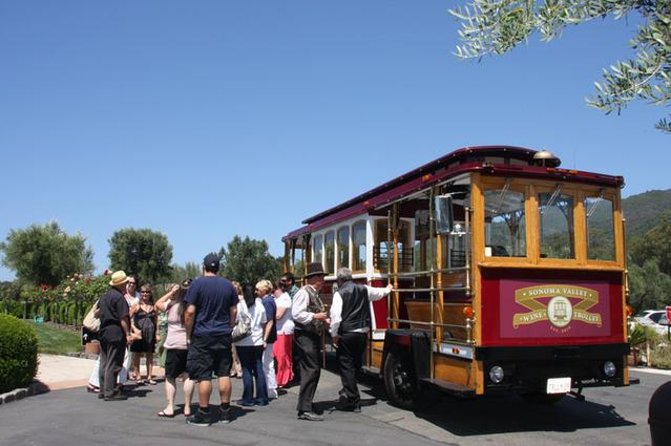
<point x="310" y="321"/>
<point x="114" y="336"/>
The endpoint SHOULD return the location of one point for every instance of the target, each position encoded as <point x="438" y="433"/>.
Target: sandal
<point x="163" y="414"/>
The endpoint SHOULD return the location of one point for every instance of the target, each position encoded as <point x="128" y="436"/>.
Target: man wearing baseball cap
<point x="209" y="319"/>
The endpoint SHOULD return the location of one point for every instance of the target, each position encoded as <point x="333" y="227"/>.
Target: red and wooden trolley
<point x="509" y="274"/>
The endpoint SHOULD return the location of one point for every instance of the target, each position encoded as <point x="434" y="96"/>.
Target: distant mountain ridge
<point x="642" y="211"/>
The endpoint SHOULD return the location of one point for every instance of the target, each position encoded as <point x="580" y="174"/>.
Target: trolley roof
<point x="466" y="159"/>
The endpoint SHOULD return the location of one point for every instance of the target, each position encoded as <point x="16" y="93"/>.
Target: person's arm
<point x="378" y="293"/>
<point x="300" y="306"/>
<point x="131" y="316"/>
<point x="132" y="306"/>
<point x="336" y="317"/>
<point x="280" y="312"/>
<point x="267" y="325"/>
<point x="189" y="317"/>
<point x="125" y="326"/>
<point x="155" y="320"/>
<point x="164" y="302"/>
<point x="233" y="315"/>
<point x="266" y="333"/>
<point x="122" y="309"/>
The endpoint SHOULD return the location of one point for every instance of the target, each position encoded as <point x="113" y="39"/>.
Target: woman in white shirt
<point x="250" y="352"/>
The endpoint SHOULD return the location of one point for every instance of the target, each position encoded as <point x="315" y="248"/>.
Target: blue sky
<point x="203" y="120"/>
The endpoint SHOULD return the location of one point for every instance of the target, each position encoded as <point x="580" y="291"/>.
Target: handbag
<point x="91" y="322"/>
<point x="243" y="327"/>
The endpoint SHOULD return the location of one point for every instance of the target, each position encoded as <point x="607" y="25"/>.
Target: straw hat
<point x="118" y="278"/>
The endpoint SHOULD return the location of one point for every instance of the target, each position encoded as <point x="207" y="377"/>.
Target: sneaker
<point x="199" y="418"/>
<point x="90" y="388"/>
<point x="226" y="416"/>
<point x="309" y="416"/>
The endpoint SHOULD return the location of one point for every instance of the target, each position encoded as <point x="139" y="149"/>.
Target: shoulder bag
<point x="91" y="322"/>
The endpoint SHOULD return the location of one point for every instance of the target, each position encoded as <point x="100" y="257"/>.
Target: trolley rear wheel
<point x="400" y="381"/>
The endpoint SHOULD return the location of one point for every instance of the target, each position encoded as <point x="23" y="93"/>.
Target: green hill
<point x="642" y="211"/>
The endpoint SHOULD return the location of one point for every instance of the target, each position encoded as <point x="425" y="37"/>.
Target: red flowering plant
<point x="65" y="302"/>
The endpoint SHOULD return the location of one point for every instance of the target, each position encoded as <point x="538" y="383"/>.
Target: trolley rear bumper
<point x="527" y="369"/>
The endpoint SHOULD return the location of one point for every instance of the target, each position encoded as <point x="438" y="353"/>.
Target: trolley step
<point x="451" y="388"/>
<point x="370" y="370"/>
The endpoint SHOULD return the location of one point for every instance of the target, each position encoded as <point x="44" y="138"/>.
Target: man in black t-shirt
<point x="114" y="336"/>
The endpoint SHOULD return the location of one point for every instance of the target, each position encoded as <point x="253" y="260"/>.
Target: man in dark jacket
<point x="311" y="321"/>
<point x="114" y="336"/>
<point x="350" y="323"/>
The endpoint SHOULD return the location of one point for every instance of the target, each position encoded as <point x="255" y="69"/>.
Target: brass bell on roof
<point x="545" y="158"/>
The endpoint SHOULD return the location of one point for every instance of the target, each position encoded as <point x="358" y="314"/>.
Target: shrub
<point x="661" y="356"/>
<point x="18" y="353"/>
<point x="642" y="334"/>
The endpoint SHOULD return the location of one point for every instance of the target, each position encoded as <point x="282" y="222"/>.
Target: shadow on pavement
<point x="499" y="414"/>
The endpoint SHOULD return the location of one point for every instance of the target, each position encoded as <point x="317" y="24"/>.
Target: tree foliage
<point x="655" y="246"/>
<point x="648" y="287"/>
<point x="141" y="252"/>
<point x="497" y="26"/>
<point x="248" y="261"/>
<point x="45" y="254"/>
<point x="181" y="272"/>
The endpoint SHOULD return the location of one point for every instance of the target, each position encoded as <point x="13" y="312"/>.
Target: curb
<point x="35" y="388"/>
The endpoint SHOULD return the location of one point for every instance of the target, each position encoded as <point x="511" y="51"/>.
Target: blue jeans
<point x="252" y="367"/>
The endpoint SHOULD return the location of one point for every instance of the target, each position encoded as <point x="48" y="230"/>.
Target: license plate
<point x="558" y="385"/>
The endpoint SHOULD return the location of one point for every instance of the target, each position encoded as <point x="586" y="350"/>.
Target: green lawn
<point x="57" y="341"/>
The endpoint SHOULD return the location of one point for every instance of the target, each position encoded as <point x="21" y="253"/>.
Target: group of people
<point x="283" y="322"/>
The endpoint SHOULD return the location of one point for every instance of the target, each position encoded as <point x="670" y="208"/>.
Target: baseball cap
<point x="211" y="260"/>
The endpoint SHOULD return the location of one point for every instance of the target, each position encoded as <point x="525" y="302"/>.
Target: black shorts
<point x="175" y="363"/>
<point x="209" y="356"/>
<point x="141" y="346"/>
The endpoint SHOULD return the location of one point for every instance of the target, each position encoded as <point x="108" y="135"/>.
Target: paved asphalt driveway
<point x="74" y="417"/>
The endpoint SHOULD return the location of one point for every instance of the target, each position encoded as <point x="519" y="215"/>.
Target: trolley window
<point x="359" y="243"/>
<point x="505" y="223"/>
<point x="555" y="212"/>
<point x="317" y="249"/>
<point x="343" y="247"/>
<point x="329" y="252"/>
<point x="600" y="236"/>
